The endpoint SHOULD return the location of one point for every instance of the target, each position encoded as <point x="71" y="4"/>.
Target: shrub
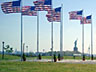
<point x="24" y="57"/>
<point x="59" y="57"/>
<point x="39" y="57"/>
<point x="55" y="58"/>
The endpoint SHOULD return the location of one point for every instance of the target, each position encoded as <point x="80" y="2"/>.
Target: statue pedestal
<point x="75" y="49"/>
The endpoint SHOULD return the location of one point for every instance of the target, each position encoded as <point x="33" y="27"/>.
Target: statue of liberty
<point x="75" y="43"/>
<point x="75" y="46"/>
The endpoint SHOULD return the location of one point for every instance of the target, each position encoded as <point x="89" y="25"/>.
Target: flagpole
<point x="52" y="39"/>
<point x="91" y="40"/>
<point x="89" y="51"/>
<point x="21" y="32"/>
<point x="52" y="36"/>
<point x="52" y="32"/>
<point x="83" y="56"/>
<point x="61" y="32"/>
<point x="37" y="33"/>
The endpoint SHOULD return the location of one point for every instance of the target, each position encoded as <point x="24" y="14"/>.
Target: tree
<point x="8" y="49"/>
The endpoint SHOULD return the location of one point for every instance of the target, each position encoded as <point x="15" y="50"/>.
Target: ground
<point x="10" y="57"/>
<point x="13" y="64"/>
<point x="45" y="67"/>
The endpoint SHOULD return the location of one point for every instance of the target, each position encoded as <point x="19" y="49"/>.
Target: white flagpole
<point x="37" y="33"/>
<point x="89" y="51"/>
<point x="91" y="40"/>
<point x="52" y="39"/>
<point x="21" y="31"/>
<point x="83" y="56"/>
<point x="52" y="32"/>
<point x="61" y="32"/>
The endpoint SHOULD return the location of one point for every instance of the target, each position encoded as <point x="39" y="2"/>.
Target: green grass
<point x="9" y="57"/>
<point x="43" y="57"/>
<point x="45" y="67"/>
<point x="77" y="58"/>
<point x="65" y="57"/>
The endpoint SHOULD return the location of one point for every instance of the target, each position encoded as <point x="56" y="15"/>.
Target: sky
<point x="72" y="29"/>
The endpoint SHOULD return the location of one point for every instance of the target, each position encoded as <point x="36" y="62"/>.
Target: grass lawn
<point x="43" y="57"/>
<point x="65" y="57"/>
<point x="45" y="67"/>
<point x="9" y="57"/>
<point x="77" y="58"/>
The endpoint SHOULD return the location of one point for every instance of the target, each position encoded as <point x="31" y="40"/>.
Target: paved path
<point x="42" y="60"/>
<point x="67" y="61"/>
<point x="62" y="61"/>
<point x="78" y="61"/>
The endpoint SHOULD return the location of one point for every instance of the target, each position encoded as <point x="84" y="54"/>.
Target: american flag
<point x="29" y="11"/>
<point x="86" y="20"/>
<point x="75" y="15"/>
<point x="39" y="2"/>
<point x="43" y="5"/>
<point x="24" y="8"/>
<point x="47" y="7"/>
<point x="54" y="15"/>
<point x="11" y="7"/>
<point x="54" y="19"/>
<point x="39" y="8"/>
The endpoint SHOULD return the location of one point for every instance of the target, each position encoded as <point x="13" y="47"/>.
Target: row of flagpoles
<point x="78" y="15"/>
<point x="54" y="15"/>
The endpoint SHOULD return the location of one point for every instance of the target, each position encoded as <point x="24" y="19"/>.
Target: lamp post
<point x="23" y="47"/>
<point x="51" y="53"/>
<point x="3" y="50"/>
<point x="27" y="50"/>
<point x="89" y="51"/>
